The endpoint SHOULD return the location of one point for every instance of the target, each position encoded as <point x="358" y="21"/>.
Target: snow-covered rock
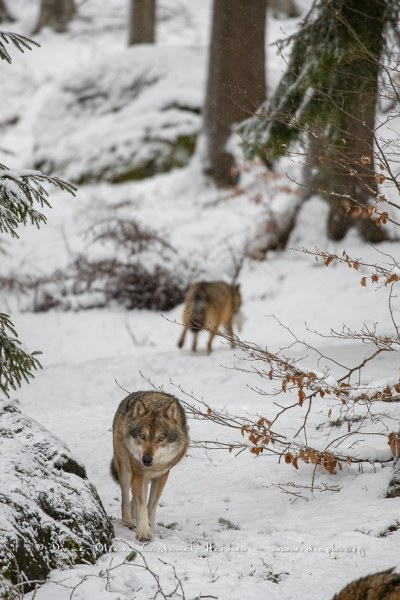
<point x="393" y="490"/>
<point x="50" y="514"/>
<point x="135" y="113"/>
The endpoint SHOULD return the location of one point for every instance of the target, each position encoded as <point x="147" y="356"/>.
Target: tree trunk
<point x="5" y="14"/>
<point x="236" y="80"/>
<point x="345" y="171"/>
<point x="142" y="22"/>
<point x="55" y="14"/>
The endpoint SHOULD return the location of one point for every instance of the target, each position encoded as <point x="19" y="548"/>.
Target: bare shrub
<point x="136" y="269"/>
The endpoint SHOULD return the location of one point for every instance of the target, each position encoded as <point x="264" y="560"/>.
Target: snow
<point x="120" y="112"/>
<point x="287" y="546"/>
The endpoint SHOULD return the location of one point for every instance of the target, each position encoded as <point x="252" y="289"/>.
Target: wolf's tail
<point x="113" y="470"/>
<point x="199" y="306"/>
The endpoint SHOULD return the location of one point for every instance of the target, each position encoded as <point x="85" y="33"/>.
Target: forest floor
<point x="227" y="526"/>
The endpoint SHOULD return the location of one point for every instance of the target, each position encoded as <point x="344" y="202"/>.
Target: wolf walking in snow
<point x="150" y="436"/>
<point x="208" y="305"/>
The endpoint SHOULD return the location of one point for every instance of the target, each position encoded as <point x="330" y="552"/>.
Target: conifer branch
<point x="16" y="365"/>
<point x="19" y="191"/>
<point x="20" y="42"/>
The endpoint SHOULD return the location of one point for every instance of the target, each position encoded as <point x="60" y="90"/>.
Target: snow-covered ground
<point x="284" y="546"/>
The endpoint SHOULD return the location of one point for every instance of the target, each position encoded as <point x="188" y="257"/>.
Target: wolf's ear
<point x="237" y="287"/>
<point x="172" y="411"/>
<point x="139" y="409"/>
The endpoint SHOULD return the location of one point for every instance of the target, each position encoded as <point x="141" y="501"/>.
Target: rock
<point x="379" y="586"/>
<point x="393" y="490"/>
<point x="50" y="514"/>
<point x="127" y="116"/>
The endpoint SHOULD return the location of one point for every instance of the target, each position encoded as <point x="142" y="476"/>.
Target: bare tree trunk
<point x="142" y="22"/>
<point x="5" y="14"/>
<point x="55" y="14"/>
<point x="236" y="79"/>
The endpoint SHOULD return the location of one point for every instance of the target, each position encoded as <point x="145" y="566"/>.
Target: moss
<point x="171" y="155"/>
<point x="182" y="149"/>
<point x="77" y="552"/>
<point x="30" y="560"/>
<point x="69" y="465"/>
<point x="175" y="154"/>
<point x="45" y="535"/>
<point x="7" y="592"/>
<point x="43" y="547"/>
<point x="135" y="174"/>
<point x="50" y="510"/>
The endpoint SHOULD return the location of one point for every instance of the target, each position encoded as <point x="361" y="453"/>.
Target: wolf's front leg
<point x="133" y="510"/>
<point x="157" y="486"/>
<point x="139" y="492"/>
<point x="125" y="481"/>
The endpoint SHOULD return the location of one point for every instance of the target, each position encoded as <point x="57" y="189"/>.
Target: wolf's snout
<point x="147" y="460"/>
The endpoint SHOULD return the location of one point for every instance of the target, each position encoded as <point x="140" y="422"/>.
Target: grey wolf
<point x="208" y="305"/>
<point x="150" y="436"/>
<point x="379" y="586"/>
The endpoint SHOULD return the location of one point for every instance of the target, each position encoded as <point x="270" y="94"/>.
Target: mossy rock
<point x="393" y="490"/>
<point x="129" y="116"/>
<point x="51" y="515"/>
<point x="163" y="156"/>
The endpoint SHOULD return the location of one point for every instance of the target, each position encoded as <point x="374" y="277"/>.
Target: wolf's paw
<point x="143" y="534"/>
<point x="128" y="524"/>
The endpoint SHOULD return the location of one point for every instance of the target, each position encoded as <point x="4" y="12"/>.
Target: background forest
<point x="150" y="144"/>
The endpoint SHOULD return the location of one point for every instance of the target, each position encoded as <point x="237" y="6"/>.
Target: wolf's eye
<point x="161" y="438"/>
<point x="142" y="436"/>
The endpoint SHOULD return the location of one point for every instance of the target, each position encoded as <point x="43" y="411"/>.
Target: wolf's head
<point x="157" y="433"/>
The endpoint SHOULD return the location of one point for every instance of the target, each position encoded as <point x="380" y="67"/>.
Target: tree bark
<point x="142" y="22"/>
<point x="345" y="171"/>
<point x="55" y="14"/>
<point x="5" y="14"/>
<point x="236" y="80"/>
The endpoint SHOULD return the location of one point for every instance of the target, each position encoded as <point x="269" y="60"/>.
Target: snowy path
<point x="76" y="396"/>
<point x="284" y="549"/>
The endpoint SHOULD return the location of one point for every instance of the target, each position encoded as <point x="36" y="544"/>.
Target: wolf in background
<point x="208" y="305"/>
<point x="150" y="436"/>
